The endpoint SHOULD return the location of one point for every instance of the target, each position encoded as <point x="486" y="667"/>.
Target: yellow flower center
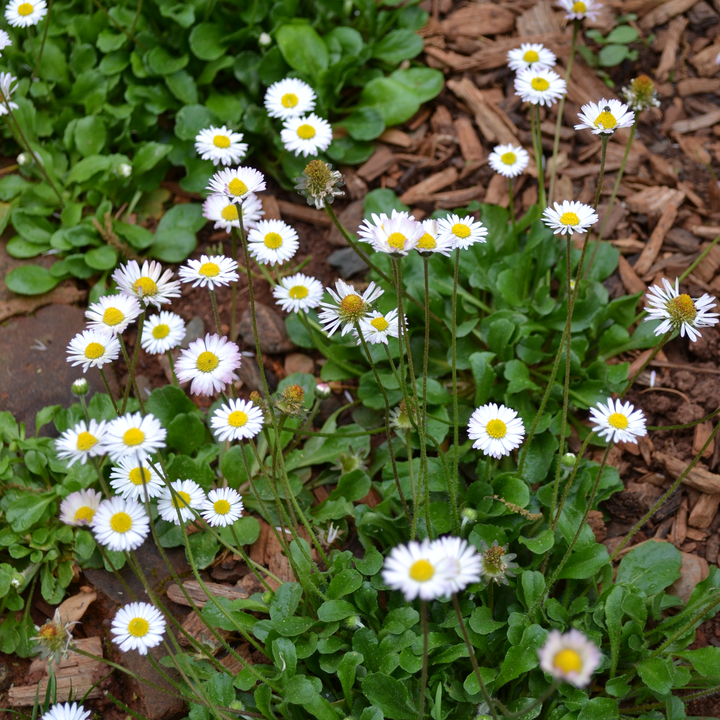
<point x="461" y="230"/>
<point x="161" y="331"/>
<point x="682" y="309"/>
<point x="207" y="361"/>
<point x="397" y="240"/>
<point x="569" y="218"/>
<point x="380" y="324"/>
<point x="139" y="478"/>
<point x="427" y="242"/>
<point x="306" y="132"/>
<point x="539" y="84"/>
<point x="121" y="522"/>
<point x="183" y="499"/>
<point x="221" y="507"/>
<point x="25" y="9"/>
<point x="84" y="514"/>
<point x="145" y="286"/>
<point x="298" y="292"/>
<point x="133" y="436"/>
<point x="230" y="212"/>
<point x="579" y="7"/>
<point x="531" y="56"/>
<point x="421" y="571"/>
<point x="138" y="627"/>
<point x="568" y="660"/>
<point x="606" y="120"/>
<point x="273" y="240"/>
<point x="618" y="421"/>
<point x="94" y="350"/>
<point x="351" y="303"/>
<point x="85" y="441"/>
<point x="509" y="158"/>
<point x="289" y="100"/>
<point x="112" y="316"/>
<point x="496" y="429"/>
<point x="237" y="187"/>
<point x="237" y="418"/>
<point x="209" y="269"/>
<point x="221" y="141"/>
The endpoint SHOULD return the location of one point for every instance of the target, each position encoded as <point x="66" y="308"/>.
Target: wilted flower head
<point x="319" y="182"/>
<point x="400" y="419"/>
<point x="641" y="94"/>
<point x="53" y="639"/>
<point x="291" y="400"/>
<point x="351" y="460"/>
<point x="497" y="563"/>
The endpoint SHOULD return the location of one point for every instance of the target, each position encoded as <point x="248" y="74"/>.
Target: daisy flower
<point x="395" y="235"/>
<point x="272" y="242"/>
<point x="289" y="98"/>
<point x="23" y="13"/>
<point x="496" y="429"/>
<point x="508" y="160"/>
<point x="498" y="563"/>
<point x="112" y="313"/>
<point x="349" y="307"/>
<point x="606" y="117"/>
<point x="226" y="214"/>
<point x="464" y="232"/>
<point x="81" y="442"/>
<point x="120" y="524"/>
<point x="237" y="420"/>
<point x="6" y="90"/>
<point x="539" y="87"/>
<point x="618" y="422"/>
<point x="79" y="508"/>
<point x="130" y="479"/>
<point x="377" y="328"/>
<point x="138" y="626"/>
<point x="570" y="656"/>
<point x="162" y="332"/>
<point x="237" y="184"/>
<point x="178" y="504"/>
<point x="417" y="570"/>
<point x="298" y="292"/>
<point x="148" y="283"/>
<point x="579" y="9"/>
<point x="134" y="435"/>
<point x="531" y="56"/>
<point x="679" y="312"/>
<point x="210" y="363"/>
<point x="222" y="507"/>
<point x="220" y="145"/>
<point x="430" y="242"/>
<point x="91" y="348"/>
<point x="5" y="40"/>
<point x="209" y="271"/>
<point x="641" y="93"/>
<point x="462" y="562"/>
<point x="66" y="711"/>
<point x="570" y="217"/>
<point x="307" y="135"/>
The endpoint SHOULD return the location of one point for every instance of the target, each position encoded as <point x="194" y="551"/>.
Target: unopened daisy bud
<point x="568" y="460"/>
<point x="24" y="159"/>
<point x="292" y="400"/>
<point x="267" y="596"/>
<point x="353" y="623"/>
<point x="322" y="391"/>
<point x="124" y="170"/>
<point x="80" y="386"/>
<point x="468" y="516"/>
<point x="237" y="704"/>
<point x="319" y="182"/>
<point x="641" y="94"/>
<point x="264" y="39"/>
<point x="18" y="580"/>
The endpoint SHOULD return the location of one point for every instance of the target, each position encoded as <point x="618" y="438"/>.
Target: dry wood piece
<point x="381" y="160"/>
<point x="710" y="232"/>
<point x="584" y="84"/>
<point x="61" y="295"/>
<point x="652" y="249"/>
<point x="680" y="526"/>
<point x="704" y="61"/>
<point x="663" y="171"/>
<point x="72" y="609"/>
<point x="694" y="148"/>
<point x="268" y="551"/>
<point x="696" y="123"/>
<point x="198" y="596"/>
<point x="397" y="137"/>
<point x="478" y="19"/>
<point x="455" y="198"/>
<point x="356" y="186"/>
<point x="706" y="270"/>
<point x="704" y="511"/>
<point x="429" y="185"/>
<point x="670" y="49"/>
<point x="702" y="433"/>
<point x="304" y="213"/>
<point x="538" y="18"/>
<point x="698" y="478"/>
<point x="270" y="206"/>
<point x="664" y="12"/>
<point x="470" y="146"/>
<point x="653" y="200"/>
<point x="195" y="626"/>
<point x="697" y="86"/>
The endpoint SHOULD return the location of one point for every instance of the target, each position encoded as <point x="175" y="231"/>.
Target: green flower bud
<point x="568" y="459"/>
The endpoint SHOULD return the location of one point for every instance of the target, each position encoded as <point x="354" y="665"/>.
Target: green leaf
<point x="364" y="123"/>
<point x="395" y="102"/>
<point x="30" y="280"/>
<point x="148" y="155"/>
<point x="167" y="402"/>
<point x="102" y="258"/>
<point x="398" y="45"/>
<point x="344" y="583"/>
<point x="612" y="55"/>
<point x="706" y="660"/>
<point x="191" y="119"/>
<point x="333" y="610"/>
<point x="622" y="34"/>
<point x="650" y="567"/>
<point x="45" y="416"/>
<point x="90" y="135"/>
<point x="204" y="548"/>
<point x="585" y="563"/>
<point x="22" y="249"/>
<point x="425" y="82"/>
<point x="539" y="544"/>
<point x="483" y="374"/>
<point x="284" y="655"/>
<point x="390" y="695"/>
<point x="186" y="433"/>
<point x="285" y="601"/>
<point x="481" y="621"/>
<point x="303" y="49"/>
<point x="26" y="510"/>
<point x="160" y="62"/>
<point x="523" y="657"/>
<point x="657" y="674"/>
<point x="382" y="200"/>
<point x="207" y="41"/>
<point x="533" y="584"/>
<point x="600" y="709"/>
<point x="346" y="673"/>
<point x="173" y="246"/>
<point x="83" y="170"/>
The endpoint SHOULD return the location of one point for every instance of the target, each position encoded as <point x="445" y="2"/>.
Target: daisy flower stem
<point x="700" y="258"/>
<point x="216" y="314"/>
<point x="456" y="418"/>
<point x="320" y="345"/>
<point x="85" y="409"/>
<point x="267" y="275"/>
<point x="473" y="659"/>
<point x="424" y="677"/>
<point x="109" y="391"/>
<point x="653" y="354"/>
<point x="131" y="367"/>
<point x="416" y="509"/>
<point x="426" y="358"/>
<point x="511" y="204"/>
<point x="571" y="479"/>
<point x="44" y="38"/>
<point x="134" y="382"/>
<point x="561" y="107"/>
<point x="603" y="154"/>
<point x="116" y="572"/>
<point x="537" y="136"/>
<point x="172" y="367"/>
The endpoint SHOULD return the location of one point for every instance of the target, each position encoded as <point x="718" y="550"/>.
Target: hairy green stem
<point x="454" y="478"/>
<point x="109" y="391"/>
<point x="603" y="156"/>
<point x="424" y="676"/>
<point x="216" y="314"/>
<point x="133" y="365"/>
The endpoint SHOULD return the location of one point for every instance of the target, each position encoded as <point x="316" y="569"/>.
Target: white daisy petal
<point x="509" y="160"/>
<point x="66" y="711"/>
<point x="237" y="184"/>
<point x="606" y="117"/>
<point x="539" y="87"/>
<point x="377" y="328"/>
<point x="222" y="507"/>
<point x="348" y="307"/>
<point x="464" y="231"/>
<point x="134" y="435"/>
<point x="579" y="9"/>
<point x="149" y="284"/>
<point x="431" y="242"/>
<point x="210" y="364"/>
<point x="307" y="135"/>
<point x="127" y="479"/>
<point x="298" y="292"/>
<point x="532" y="56"/>
<point x="120" y="525"/>
<point x="24" y="13"/>
<point x="91" y="348"/>
<point x="209" y="271"/>
<point x="81" y="442"/>
<point x="618" y="421"/>
<point x="417" y="570"/>
<point x="113" y="313"/>
<point x="138" y="626"/>
<point x="462" y="562"/>
<point x="237" y="420"/>
<point x="226" y="214"/>
<point x="79" y="508"/>
<point x="496" y="429"/>
<point x="5" y="40"/>
<point x="162" y="332"/>
<point x="272" y="242"/>
<point x="570" y="656"/>
<point x="6" y="90"/>
<point x="570" y="217"/>
<point x="395" y="235"/>
<point x="178" y="504"/>
<point x="289" y="98"/>
<point x="220" y="145"/>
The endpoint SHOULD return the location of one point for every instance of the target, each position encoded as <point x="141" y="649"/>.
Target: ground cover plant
<point x="433" y="551"/>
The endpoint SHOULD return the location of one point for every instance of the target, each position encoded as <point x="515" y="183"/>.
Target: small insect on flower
<point x="570" y="656"/>
<point x="679" y="313"/>
<point x="509" y="160"/>
<point x="53" y="639"/>
<point x="132" y="480"/>
<point x="570" y="217"/>
<point x="641" y="94"/>
<point x="298" y="292"/>
<point x="237" y="184"/>
<point x="162" y="332"/>
<point x="498" y="563"/>
<point x="112" y="314"/>
<point x="220" y="145"/>
<point x="91" y="348"/>
<point x="618" y="421"/>
<point x="377" y="328"/>
<point x="417" y="570"/>
<point x="237" y="420"/>
<point x="24" y="13"/>
<point x="209" y="271"/>
<point x="134" y="435"/>
<point x="539" y="87"/>
<point x="430" y="242"/>
<point x="319" y="182"/>
<point x="579" y="9"/>
<point x="177" y="505"/>
<point x="289" y="98"/>
<point x="149" y="284"/>
<point x="273" y="242"/>
<point x="210" y="364"/>
<point x="307" y="135"/>
<point x="349" y="307"/>
<point x="531" y="56"/>
<point x="81" y="442"/>
<point x="496" y="429"/>
<point x="463" y="232"/>
<point x="138" y="626"/>
<point x="463" y="563"/>
<point x="227" y="214"/>
<point x="120" y="524"/>
<point x="6" y="90"/>
<point x="606" y="117"/>
<point x="79" y="508"/>
<point x="222" y="507"/>
<point x="66" y="711"/>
